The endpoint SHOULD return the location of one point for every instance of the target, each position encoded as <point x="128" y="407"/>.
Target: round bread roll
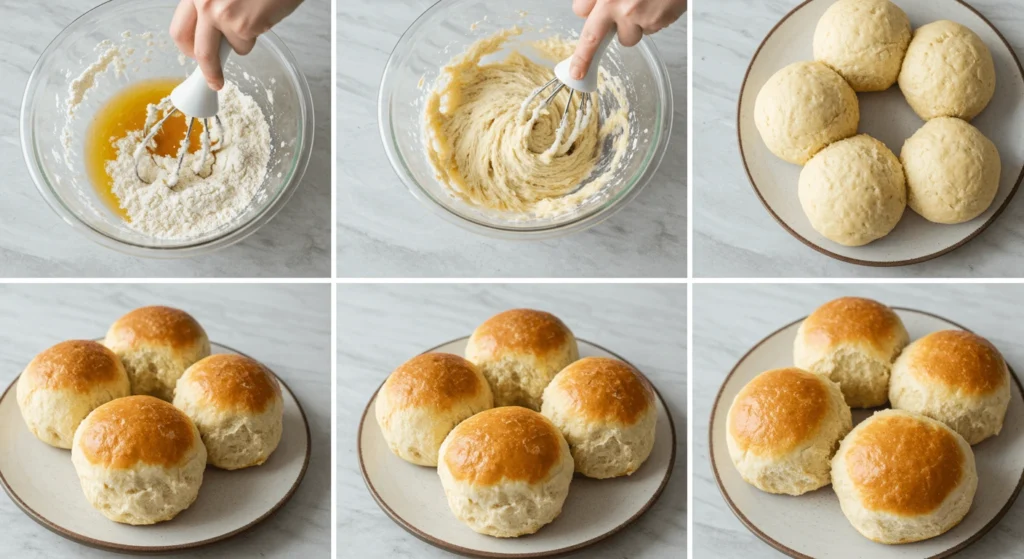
<point x="902" y="477"/>
<point x="955" y="377"/>
<point x="505" y="471"/>
<point x="519" y="352"/>
<point x="948" y="71"/>
<point x="236" y="404"/>
<point x="864" y="41"/>
<point x="156" y="345"/>
<point x="853" y="342"/>
<point x="783" y="428"/>
<point x="854" y="191"/>
<point x="803" y="108"/>
<point x="424" y="399"/>
<point x="952" y="171"/>
<point x="61" y="385"/>
<point x="140" y="460"/>
<point x="607" y="414"/>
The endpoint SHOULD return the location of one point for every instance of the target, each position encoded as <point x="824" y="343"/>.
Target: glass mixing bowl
<point x="445" y="31"/>
<point x="269" y="74"/>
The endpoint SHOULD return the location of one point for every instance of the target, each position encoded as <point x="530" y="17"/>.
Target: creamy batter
<point x="490" y="157"/>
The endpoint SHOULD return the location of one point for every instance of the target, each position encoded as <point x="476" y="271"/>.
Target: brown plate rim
<point x="847" y="259"/>
<point x="154" y="550"/>
<point x="793" y="553"/>
<point x="466" y="552"/>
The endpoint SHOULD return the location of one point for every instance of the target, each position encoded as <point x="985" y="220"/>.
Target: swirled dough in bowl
<point x="486" y="155"/>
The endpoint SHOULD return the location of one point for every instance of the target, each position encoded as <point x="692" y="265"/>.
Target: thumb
<point x="597" y="26"/>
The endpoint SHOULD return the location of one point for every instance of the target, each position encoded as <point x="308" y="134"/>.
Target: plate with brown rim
<point x="412" y="495"/>
<point x="888" y="117"/>
<point x="813" y="525"/>
<point x="41" y="480"/>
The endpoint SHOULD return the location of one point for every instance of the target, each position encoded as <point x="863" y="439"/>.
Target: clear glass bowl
<point x="67" y="188"/>
<point x="446" y="30"/>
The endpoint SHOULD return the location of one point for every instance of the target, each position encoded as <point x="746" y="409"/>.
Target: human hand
<point x="632" y="18"/>
<point x="198" y="26"/>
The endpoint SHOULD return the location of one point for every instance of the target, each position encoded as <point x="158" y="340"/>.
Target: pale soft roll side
<point x="233" y="440"/>
<point x="864" y="41"/>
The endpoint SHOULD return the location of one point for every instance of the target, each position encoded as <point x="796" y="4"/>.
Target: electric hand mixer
<point x="195" y="100"/>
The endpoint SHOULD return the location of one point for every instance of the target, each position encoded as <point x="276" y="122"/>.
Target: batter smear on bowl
<point x="487" y="156"/>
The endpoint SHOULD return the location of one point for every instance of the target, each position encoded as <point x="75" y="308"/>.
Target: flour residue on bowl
<point x="487" y="156"/>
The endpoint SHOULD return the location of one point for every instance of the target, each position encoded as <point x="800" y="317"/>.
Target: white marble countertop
<point x="380" y="326"/>
<point x="384" y="232"/>
<point x="35" y="242"/>
<point x="730" y="319"/>
<point x="288" y="327"/>
<point x="733" y="235"/>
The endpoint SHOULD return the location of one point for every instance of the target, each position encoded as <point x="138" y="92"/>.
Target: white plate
<point x="41" y="480"/>
<point x="812" y="525"/>
<point x="888" y="117"/>
<point x="595" y="509"/>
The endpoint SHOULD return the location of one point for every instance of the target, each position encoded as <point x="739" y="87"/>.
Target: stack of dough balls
<point x="140" y="460"/>
<point x="507" y="425"/>
<point x="853" y="189"/>
<point x="905" y="474"/>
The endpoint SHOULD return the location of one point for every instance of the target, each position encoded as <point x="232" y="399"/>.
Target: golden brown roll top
<point x="134" y="430"/>
<point x="434" y="380"/>
<point x="904" y="464"/>
<point x="522" y="331"/>
<point x="606" y="389"/>
<point x="156" y="325"/>
<point x="509" y="443"/>
<point x="960" y="360"/>
<point x="234" y="382"/>
<point x="75" y="365"/>
<point x="778" y="410"/>
<point x="854" y="321"/>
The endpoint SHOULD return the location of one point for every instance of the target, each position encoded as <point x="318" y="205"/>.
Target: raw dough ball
<point x="952" y="171"/>
<point x="948" y="71"/>
<point x="803" y="108"/>
<point x="854" y="192"/>
<point x="863" y="40"/>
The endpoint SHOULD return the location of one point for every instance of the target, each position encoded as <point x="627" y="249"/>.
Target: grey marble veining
<point x="380" y="326"/>
<point x="384" y="232"/>
<point x="730" y="319"/>
<point x="35" y="242"/>
<point x="733" y="235"/>
<point x="288" y="327"/>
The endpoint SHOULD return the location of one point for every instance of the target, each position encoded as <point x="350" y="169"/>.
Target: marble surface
<point x="730" y="319"/>
<point x="384" y="232"/>
<point x="288" y="327"/>
<point x="35" y="242"/>
<point x="380" y="326"/>
<point x="733" y="235"/>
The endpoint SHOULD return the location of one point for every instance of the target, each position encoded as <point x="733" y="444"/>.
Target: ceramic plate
<point x="595" y="509"/>
<point x="42" y="481"/>
<point x="812" y="525"/>
<point x="888" y="117"/>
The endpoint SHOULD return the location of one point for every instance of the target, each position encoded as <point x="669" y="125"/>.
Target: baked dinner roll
<point x="853" y="342"/>
<point x="140" y="460"/>
<point x="424" y="399"/>
<point x="853" y="192"/>
<point x="156" y="345"/>
<point x="607" y="414"/>
<point x="61" y="385"/>
<point x="783" y="428"/>
<point x="948" y="71"/>
<point x="863" y="40"/>
<point x="902" y="477"/>
<point x="955" y="377"/>
<point x="803" y="108"/>
<point x="952" y="171"/>
<point x="235" y="403"/>
<point x="505" y="471"/>
<point x="519" y="352"/>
